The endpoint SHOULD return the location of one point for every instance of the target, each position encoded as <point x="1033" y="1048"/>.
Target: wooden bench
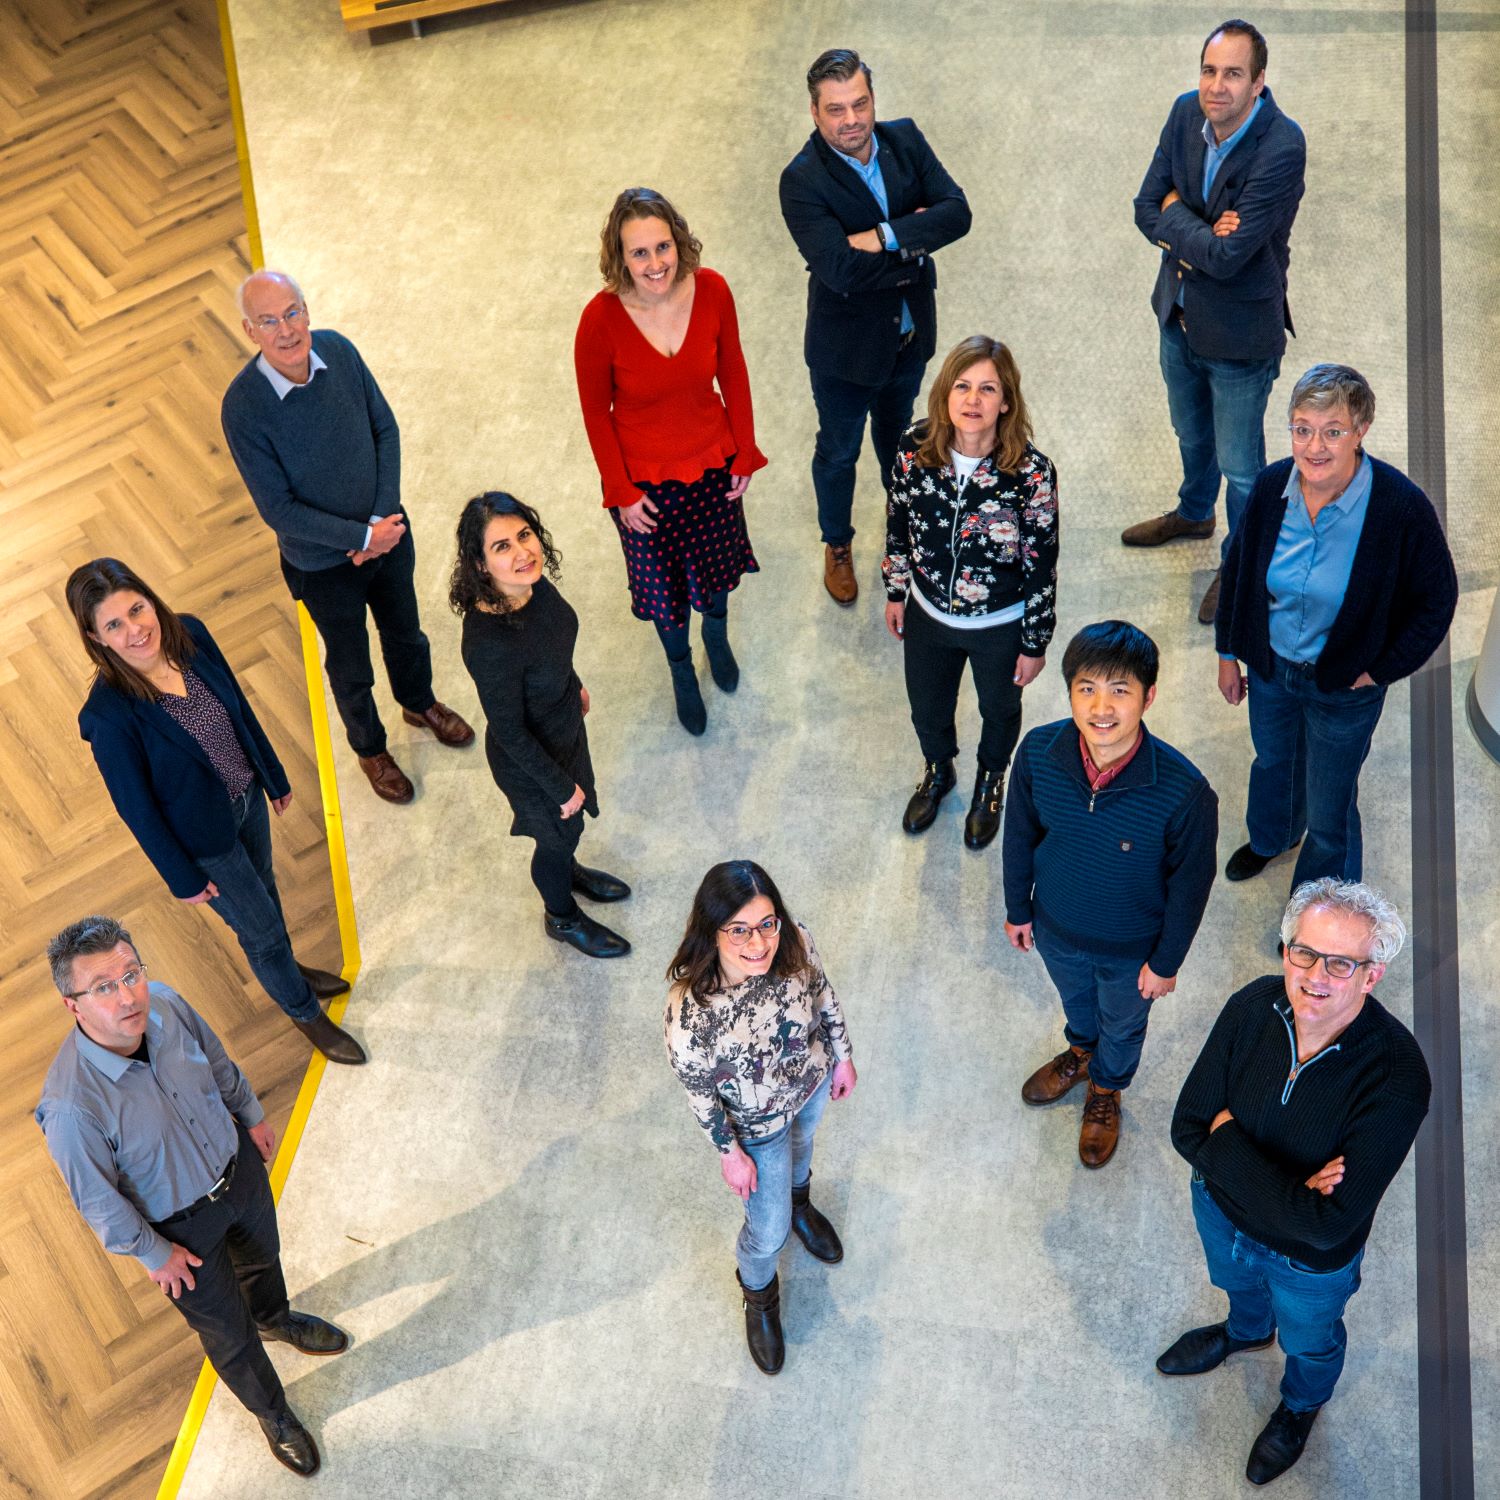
<point x="366" y="15"/>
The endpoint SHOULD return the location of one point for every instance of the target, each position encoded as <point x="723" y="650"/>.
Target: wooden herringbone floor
<point x="122" y="237"/>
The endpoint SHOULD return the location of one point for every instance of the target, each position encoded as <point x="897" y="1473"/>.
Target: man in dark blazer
<point x="1219" y="199"/>
<point x="867" y="205"/>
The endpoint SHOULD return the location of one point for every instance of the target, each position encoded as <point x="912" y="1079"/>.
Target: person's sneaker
<point x="1245" y="863"/>
<point x="1100" y="1132"/>
<point x="1280" y="1444"/>
<point x="1053" y="1079"/>
<point x="1167" y="527"/>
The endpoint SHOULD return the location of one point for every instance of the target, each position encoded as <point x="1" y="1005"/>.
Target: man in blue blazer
<point x="867" y="205"/>
<point x="1219" y="199"/>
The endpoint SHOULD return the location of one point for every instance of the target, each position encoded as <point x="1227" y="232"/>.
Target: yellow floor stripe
<point x="343" y="895"/>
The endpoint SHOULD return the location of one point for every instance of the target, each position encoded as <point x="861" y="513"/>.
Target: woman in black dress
<point x="518" y="637"/>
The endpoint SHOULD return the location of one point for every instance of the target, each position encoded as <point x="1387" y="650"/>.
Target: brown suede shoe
<point x="444" y="723"/>
<point x="388" y="779"/>
<point x="1101" y="1126"/>
<point x="838" y="574"/>
<point x="1053" y="1079"/>
<point x="1210" y="606"/>
<point x="1167" y="527"/>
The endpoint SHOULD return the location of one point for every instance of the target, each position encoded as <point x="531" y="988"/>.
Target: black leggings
<point x="674" y="638"/>
<point x="935" y="655"/>
<point x="552" y="875"/>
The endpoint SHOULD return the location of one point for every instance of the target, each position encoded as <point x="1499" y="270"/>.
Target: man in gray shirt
<point x="161" y="1142"/>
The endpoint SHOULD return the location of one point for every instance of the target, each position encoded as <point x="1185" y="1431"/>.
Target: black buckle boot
<point x="691" y="713"/>
<point x="937" y="781"/>
<point x="722" y="666"/>
<point x="820" y="1237"/>
<point x="983" y="822"/>
<point x="763" y="1325"/>
<point x="582" y="932"/>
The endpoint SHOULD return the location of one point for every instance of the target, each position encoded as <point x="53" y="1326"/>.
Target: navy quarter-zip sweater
<point x="1363" y="1097"/>
<point x="1123" y="872"/>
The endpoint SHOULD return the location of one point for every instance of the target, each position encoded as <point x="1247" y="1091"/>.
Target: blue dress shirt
<point x="872" y="177"/>
<point x="1213" y="157"/>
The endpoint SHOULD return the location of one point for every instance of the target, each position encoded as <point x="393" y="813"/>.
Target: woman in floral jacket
<point x="971" y="547"/>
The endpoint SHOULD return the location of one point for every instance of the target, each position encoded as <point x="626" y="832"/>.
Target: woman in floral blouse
<point x="755" y="1034"/>
<point x="970" y="572"/>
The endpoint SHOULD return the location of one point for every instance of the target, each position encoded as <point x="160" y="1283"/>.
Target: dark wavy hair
<point x="471" y="584"/>
<point x="726" y="889"/>
<point x="87" y="588"/>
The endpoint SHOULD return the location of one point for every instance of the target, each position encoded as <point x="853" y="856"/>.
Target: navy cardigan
<point x="1402" y="588"/>
<point x="161" y="780"/>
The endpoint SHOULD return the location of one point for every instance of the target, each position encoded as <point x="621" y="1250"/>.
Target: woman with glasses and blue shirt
<point x="756" y="1036"/>
<point x="1338" y="582"/>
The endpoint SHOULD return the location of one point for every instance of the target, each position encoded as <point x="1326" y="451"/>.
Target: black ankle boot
<point x="721" y="663"/>
<point x="582" y="932"/>
<point x="763" y="1325"/>
<point x="691" y="713"/>
<point x="820" y="1237"/>
<point x="937" y="781"/>
<point x="983" y="822"/>
<point x="598" y="886"/>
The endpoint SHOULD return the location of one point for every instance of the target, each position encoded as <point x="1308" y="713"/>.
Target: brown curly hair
<point x="643" y="203"/>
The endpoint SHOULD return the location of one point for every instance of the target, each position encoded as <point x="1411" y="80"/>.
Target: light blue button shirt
<point x="872" y="177"/>
<point x="1213" y="158"/>
<point x="1309" y="572"/>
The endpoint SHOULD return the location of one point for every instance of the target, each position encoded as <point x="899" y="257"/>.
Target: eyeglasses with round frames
<point x="106" y="988"/>
<point x="739" y="934"/>
<point x="1302" y="433"/>
<point x="270" y="323"/>
<point x="1337" y="964"/>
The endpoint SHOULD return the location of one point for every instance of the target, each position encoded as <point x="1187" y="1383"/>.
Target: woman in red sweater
<point x="675" y="455"/>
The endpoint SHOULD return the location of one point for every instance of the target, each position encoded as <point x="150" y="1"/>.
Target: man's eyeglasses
<point x="1302" y="433"/>
<point x="739" y="934"/>
<point x="292" y="319"/>
<point x="105" y="989"/>
<point x="1337" y="964"/>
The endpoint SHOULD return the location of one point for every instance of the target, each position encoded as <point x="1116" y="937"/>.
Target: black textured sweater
<point x="1363" y="1097"/>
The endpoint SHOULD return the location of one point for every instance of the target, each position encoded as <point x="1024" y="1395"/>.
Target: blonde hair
<point x="643" y="203"/>
<point x="1013" y="431"/>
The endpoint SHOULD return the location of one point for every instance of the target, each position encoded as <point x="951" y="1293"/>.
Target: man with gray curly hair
<point x="1297" y="1115"/>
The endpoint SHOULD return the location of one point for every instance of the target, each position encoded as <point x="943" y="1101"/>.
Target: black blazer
<point x="1234" y="289"/>
<point x="854" y="297"/>
<point x="162" y="783"/>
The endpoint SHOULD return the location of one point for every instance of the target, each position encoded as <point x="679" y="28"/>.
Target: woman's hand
<point x="1364" y="680"/>
<point x="1027" y="668"/>
<point x="844" y="1079"/>
<point x="640" y="516"/>
<point x="280" y="804"/>
<point x="1232" y="682"/>
<point x="574" y="802"/>
<point x="895" y="618"/>
<point x="738" y="484"/>
<point x="210" y="892"/>
<point x="583" y="698"/>
<point x="739" y="1171"/>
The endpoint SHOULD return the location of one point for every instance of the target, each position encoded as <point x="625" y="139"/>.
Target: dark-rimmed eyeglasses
<point x="1337" y="964"/>
<point x="738" y="933"/>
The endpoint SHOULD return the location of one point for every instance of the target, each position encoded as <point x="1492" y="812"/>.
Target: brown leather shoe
<point x="444" y="723"/>
<point x="323" y="984"/>
<point x="1053" y="1079"/>
<point x="1101" y="1126"/>
<point x="388" y="779"/>
<point x="1167" y="527"/>
<point x="838" y="574"/>
<point x="1210" y="606"/>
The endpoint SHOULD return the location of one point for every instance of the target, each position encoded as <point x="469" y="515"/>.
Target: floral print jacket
<point x="751" y="1056"/>
<point x="974" y="553"/>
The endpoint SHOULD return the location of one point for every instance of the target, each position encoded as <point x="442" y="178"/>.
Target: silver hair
<point x="80" y="939"/>
<point x="1351" y="898"/>
<point x="291" y="281"/>
<point x="1326" y="387"/>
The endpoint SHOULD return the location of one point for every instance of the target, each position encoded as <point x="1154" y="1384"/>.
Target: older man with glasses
<point x="1295" y="1118"/>
<point x="160" y="1140"/>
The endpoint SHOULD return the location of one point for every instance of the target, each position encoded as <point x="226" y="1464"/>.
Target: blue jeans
<point x="842" y="409"/>
<point x="1270" y="1293"/>
<point x="781" y="1161"/>
<point x="251" y="907"/>
<point x="1218" y="409"/>
<point x="1309" y="747"/>
<point x="1105" y="1009"/>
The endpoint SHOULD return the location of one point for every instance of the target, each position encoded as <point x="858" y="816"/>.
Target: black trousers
<point x="239" y="1287"/>
<point x="337" y="599"/>
<point x="935" y="654"/>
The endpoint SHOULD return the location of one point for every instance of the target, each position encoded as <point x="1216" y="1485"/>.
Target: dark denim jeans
<point x="1309" y="747"/>
<point x="1105" y="1009"/>
<point x="1270" y="1293"/>
<point x="842" y="410"/>
<point x="251" y="907"/>
<point x="1218" y="409"/>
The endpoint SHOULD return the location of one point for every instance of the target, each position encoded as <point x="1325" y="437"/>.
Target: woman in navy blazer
<point x="189" y="769"/>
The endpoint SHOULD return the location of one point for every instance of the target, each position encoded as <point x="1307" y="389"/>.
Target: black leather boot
<point x="598" y="886"/>
<point x="763" y="1325"/>
<point x="937" y="781"/>
<point x="331" y="1040"/>
<point x="721" y="663"/>
<point x="582" y="932"/>
<point x="691" y="713"/>
<point x="983" y="822"/>
<point x="820" y="1237"/>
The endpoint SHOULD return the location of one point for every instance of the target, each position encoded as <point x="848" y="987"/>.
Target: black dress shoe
<point x="305" y="1332"/>
<point x="937" y="781"/>
<point x="983" y="822"/>
<point x="763" y="1325"/>
<point x="331" y="1040"/>
<point x="1280" y="1444"/>
<point x="1200" y="1350"/>
<point x="323" y="984"/>
<point x="291" y="1444"/>
<point x="820" y="1237"/>
<point x="582" y="932"/>
<point x="598" y="886"/>
<point x="1245" y="863"/>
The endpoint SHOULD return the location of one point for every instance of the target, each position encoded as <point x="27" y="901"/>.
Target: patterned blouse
<point x="751" y="1056"/>
<point x="207" y="720"/>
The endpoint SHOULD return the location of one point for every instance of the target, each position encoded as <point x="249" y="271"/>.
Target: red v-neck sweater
<point x="650" y="418"/>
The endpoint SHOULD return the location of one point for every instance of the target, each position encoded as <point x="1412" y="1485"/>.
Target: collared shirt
<point x="279" y="383"/>
<point x="874" y="179"/>
<point x="136" y="1141"/>
<point x="1098" y="779"/>
<point x="1309" y="572"/>
<point x="1213" y="157"/>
